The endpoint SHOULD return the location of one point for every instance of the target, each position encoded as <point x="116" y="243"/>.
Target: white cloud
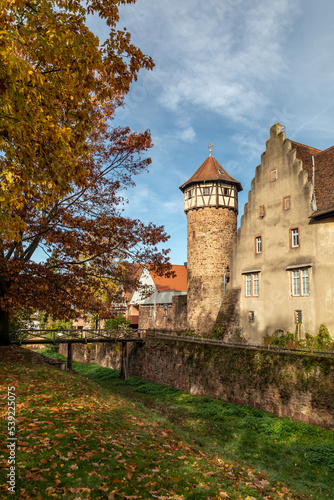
<point x="143" y="197"/>
<point x="250" y="145"/>
<point x="188" y="134"/>
<point x="218" y="56"/>
<point x="226" y="70"/>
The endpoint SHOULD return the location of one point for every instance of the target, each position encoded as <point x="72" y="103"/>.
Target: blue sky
<point x="226" y="70"/>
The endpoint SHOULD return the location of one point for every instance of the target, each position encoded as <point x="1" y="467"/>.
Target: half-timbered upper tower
<point x="211" y="205"/>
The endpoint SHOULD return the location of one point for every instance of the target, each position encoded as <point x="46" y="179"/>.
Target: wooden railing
<point x="26" y="337"/>
<point x="155" y="334"/>
<point x="35" y="336"/>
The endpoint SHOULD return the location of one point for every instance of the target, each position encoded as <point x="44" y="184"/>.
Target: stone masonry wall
<point x="284" y="384"/>
<point x="211" y="232"/>
<point x="175" y="319"/>
<point x="301" y="388"/>
<point x="108" y="355"/>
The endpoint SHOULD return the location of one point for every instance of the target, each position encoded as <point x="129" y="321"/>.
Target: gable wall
<point x="147" y="287"/>
<point x="275" y="306"/>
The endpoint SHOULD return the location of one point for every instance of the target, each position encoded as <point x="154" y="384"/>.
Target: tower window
<point x="226" y="191"/>
<point x="206" y="190"/>
<point x="294" y="237"/>
<point x="258" y="244"/>
<point x="286" y="203"/>
<point x="190" y="193"/>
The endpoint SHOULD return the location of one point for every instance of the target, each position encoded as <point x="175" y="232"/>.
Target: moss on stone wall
<point x="286" y="384"/>
<point x="227" y="318"/>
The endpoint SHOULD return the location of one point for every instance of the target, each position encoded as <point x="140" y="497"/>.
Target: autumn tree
<point x="62" y="164"/>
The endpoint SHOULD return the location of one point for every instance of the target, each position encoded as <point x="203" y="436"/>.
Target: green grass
<point x="95" y="436"/>
<point x="293" y="452"/>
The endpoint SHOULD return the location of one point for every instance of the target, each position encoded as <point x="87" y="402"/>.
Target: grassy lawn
<point x="95" y="436"/>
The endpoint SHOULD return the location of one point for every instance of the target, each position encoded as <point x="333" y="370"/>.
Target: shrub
<point x="237" y="336"/>
<point x="117" y="323"/>
<point x="19" y="320"/>
<point x="322" y="341"/>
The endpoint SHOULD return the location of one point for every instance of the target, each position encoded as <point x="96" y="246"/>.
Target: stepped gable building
<point x="282" y="260"/>
<point x="211" y="206"/>
<point x="277" y="270"/>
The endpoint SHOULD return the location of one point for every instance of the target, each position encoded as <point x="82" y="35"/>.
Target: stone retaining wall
<point x="287" y="385"/>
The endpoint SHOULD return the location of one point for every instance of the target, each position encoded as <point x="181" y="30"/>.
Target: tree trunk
<point x="69" y="356"/>
<point x="4" y="330"/>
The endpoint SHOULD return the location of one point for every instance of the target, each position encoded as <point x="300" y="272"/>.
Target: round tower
<point x="211" y="205"/>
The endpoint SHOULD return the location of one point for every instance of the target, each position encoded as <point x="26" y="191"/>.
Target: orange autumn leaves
<point x="78" y="440"/>
<point x="55" y="78"/>
<point x="63" y="165"/>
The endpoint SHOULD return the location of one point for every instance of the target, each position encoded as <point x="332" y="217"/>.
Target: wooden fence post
<point x="69" y="355"/>
<point x="124" y="375"/>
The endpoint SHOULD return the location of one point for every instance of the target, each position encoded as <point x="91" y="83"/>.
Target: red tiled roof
<point x="324" y="174"/>
<point x="211" y="170"/>
<point x="178" y="283"/>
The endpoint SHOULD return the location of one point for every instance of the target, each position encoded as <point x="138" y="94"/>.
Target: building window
<point x="248" y="285"/>
<point x="226" y="191"/>
<point x="255" y="284"/>
<point x="190" y="193"/>
<point x="251" y="316"/>
<point x="300" y="282"/>
<point x="258" y="244"/>
<point x="262" y="211"/>
<point x="252" y="285"/>
<point x="298" y="316"/>
<point x="206" y="190"/>
<point x="294" y="237"/>
<point x="273" y="175"/>
<point x="286" y="203"/>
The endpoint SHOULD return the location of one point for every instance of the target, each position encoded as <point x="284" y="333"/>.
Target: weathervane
<point x="210" y="146"/>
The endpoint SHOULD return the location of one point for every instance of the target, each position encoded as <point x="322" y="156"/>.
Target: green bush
<point x="60" y="324"/>
<point x="322" y="341"/>
<point x="19" y="320"/>
<point x="117" y="323"/>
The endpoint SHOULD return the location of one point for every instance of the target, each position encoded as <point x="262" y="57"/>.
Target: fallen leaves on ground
<point x="77" y="440"/>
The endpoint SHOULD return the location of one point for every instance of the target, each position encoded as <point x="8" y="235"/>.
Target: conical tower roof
<point x="211" y="170"/>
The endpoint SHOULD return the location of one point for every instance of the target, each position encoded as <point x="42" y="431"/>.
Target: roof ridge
<point x="211" y="170"/>
<point x="327" y="149"/>
<point x="306" y="145"/>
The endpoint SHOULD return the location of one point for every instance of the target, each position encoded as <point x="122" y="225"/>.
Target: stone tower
<point x="211" y="205"/>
